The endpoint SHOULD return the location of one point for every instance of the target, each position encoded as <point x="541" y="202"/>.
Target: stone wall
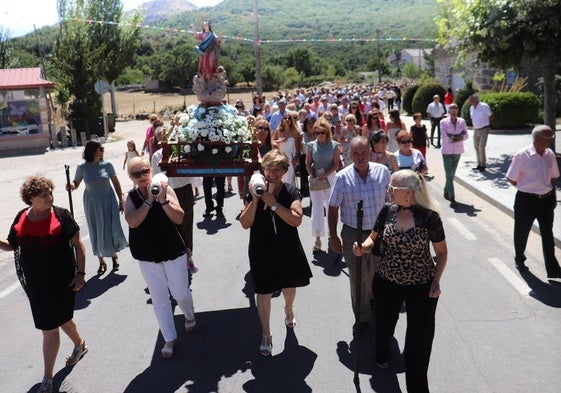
<point x="445" y="68"/>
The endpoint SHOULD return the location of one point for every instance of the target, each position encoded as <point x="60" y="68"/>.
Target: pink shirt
<point x="448" y="129"/>
<point x="533" y="172"/>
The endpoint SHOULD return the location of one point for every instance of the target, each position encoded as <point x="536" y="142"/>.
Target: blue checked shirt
<point x="350" y="188"/>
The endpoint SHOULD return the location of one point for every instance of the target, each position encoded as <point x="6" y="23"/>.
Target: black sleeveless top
<point x="156" y="239"/>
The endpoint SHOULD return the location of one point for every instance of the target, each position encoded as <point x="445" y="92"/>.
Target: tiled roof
<point x="22" y="78"/>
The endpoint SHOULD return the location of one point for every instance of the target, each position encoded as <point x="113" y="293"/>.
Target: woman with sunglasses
<point x="354" y="109"/>
<point x="286" y="138"/>
<point x="276" y="258"/>
<point x="372" y="124"/>
<point x="380" y="154"/>
<point x="322" y="161"/>
<point x="408" y="157"/>
<point x="157" y="245"/>
<point x="101" y="208"/>
<point x="407" y="273"/>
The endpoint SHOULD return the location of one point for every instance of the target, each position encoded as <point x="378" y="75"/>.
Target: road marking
<point x="518" y="284"/>
<point x="461" y="228"/>
<point x="9" y="290"/>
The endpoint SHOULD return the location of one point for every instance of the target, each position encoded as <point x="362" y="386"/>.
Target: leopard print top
<point x="406" y="256"/>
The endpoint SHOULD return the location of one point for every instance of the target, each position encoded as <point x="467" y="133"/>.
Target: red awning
<point x="22" y="78"/>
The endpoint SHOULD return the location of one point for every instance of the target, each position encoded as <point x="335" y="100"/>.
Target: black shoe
<point x="446" y="196"/>
<point x="477" y="168"/>
<point x="554" y="275"/>
<point x="207" y="213"/>
<point x="219" y="213"/>
<point x="453" y="202"/>
<point x="481" y="169"/>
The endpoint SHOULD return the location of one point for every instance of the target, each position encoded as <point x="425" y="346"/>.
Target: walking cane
<point x="67" y="169"/>
<point x="356" y="330"/>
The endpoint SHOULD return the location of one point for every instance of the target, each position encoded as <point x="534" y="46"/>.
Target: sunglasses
<point x="140" y="173"/>
<point x="286" y="118"/>
<point x="405" y="142"/>
<point x="261" y="128"/>
<point x="393" y="188"/>
<point x="319" y="132"/>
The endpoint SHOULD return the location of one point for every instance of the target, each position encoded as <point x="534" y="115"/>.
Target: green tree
<point x="507" y="34"/>
<point x="118" y="37"/>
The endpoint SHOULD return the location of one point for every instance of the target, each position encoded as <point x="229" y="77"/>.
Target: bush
<point x="423" y="96"/>
<point x="510" y="110"/>
<point x="407" y="101"/>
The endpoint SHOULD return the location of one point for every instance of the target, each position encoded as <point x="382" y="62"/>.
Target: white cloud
<point x="19" y="17"/>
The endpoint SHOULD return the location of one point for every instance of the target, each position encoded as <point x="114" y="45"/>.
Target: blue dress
<point x="101" y="208"/>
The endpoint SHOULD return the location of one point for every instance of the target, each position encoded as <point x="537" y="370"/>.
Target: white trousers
<point x="162" y="279"/>
<point x="320" y="207"/>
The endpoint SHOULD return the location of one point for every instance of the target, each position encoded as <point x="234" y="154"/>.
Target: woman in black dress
<point x="276" y="258"/>
<point x="44" y="239"/>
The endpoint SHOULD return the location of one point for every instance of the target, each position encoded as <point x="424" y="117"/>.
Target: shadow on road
<point x="97" y="286"/>
<point x="547" y="293"/>
<point x="225" y="343"/>
<point x="331" y="263"/>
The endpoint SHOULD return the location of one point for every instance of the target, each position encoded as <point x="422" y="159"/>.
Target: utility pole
<point x="378" y="54"/>
<point x="257" y="50"/>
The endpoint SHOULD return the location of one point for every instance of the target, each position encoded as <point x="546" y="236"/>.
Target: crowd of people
<point x="337" y="148"/>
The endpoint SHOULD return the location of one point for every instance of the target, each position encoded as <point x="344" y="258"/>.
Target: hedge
<point x="510" y="110"/>
<point x="424" y="96"/>
<point x="407" y="102"/>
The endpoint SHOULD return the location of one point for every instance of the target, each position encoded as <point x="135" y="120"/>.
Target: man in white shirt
<point x="534" y="172"/>
<point x="435" y="113"/>
<point x="481" y="116"/>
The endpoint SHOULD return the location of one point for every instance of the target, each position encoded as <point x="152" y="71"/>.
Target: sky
<point x="19" y="16"/>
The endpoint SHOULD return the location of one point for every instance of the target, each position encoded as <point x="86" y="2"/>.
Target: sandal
<point x="46" y="386"/>
<point x="102" y="268"/>
<point x="77" y="354"/>
<point x="289" y="320"/>
<point x="266" y="346"/>
<point x="317" y="246"/>
<point x="115" y="260"/>
<point x="190" y="325"/>
<point x="167" y="350"/>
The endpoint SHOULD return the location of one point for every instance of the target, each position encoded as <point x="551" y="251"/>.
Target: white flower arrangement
<point x="213" y="124"/>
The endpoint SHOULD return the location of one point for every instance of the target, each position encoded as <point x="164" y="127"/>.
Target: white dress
<point x="288" y="147"/>
<point x="392" y="142"/>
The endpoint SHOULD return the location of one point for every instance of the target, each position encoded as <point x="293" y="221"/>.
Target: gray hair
<point x="540" y="130"/>
<point x="414" y="180"/>
<point x="475" y="97"/>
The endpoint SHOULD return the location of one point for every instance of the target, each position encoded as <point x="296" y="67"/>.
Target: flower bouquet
<point x="210" y="137"/>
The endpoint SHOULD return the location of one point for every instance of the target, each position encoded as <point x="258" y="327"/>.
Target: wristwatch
<point x="274" y="207"/>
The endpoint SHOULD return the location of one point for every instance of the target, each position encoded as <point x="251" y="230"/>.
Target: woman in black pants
<point x="407" y="273"/>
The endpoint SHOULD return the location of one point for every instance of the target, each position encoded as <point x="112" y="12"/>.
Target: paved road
<point x="497" y="331"/>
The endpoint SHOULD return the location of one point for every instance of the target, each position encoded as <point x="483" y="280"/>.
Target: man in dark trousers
<point x="366" y="181"/>
<point x="533" y="172"/>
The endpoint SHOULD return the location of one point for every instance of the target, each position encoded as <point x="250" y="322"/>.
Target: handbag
<point x="317" y="185"/>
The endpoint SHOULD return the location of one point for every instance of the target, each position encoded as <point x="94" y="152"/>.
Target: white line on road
<point x="461" y="228"/>
<point x="512" y="278"/>
<point x="9" y="290"/>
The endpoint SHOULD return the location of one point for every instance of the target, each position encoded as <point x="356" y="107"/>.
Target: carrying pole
<point x="356" y="329"/>
<point x="69" y="190"/>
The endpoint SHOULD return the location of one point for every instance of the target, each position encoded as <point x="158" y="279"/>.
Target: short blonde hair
<point x="322" y="122"/>
<point x="275" y="158"/>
